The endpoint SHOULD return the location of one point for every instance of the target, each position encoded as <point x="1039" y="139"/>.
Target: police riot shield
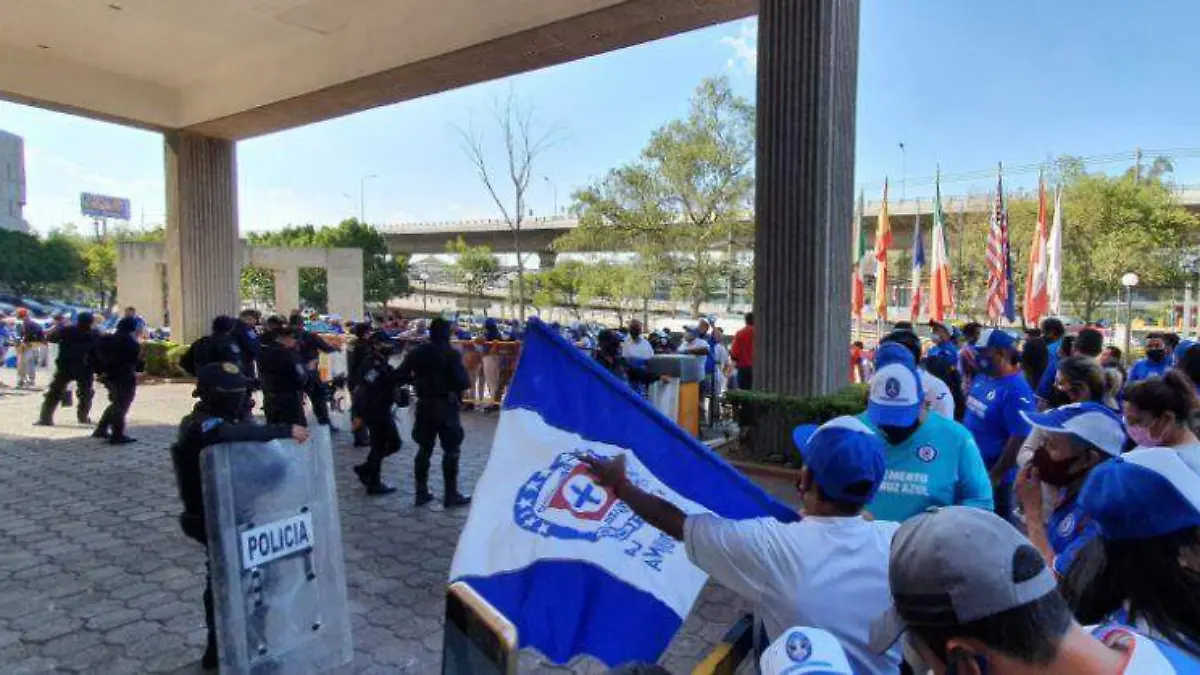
<point x="275" y="553"/>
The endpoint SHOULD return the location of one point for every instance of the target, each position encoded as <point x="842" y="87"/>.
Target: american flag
<point x="999" y="296"/>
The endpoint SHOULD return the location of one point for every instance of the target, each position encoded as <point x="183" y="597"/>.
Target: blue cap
<point x="893" y="352"/>
<point x="1092" y="423"/>
<point x="1184" y="345"/>
<point x="994" y="338"/>
<point x="1143" y="494"/>
<point x="896" y="395"/>
<point x="840" y="453"/>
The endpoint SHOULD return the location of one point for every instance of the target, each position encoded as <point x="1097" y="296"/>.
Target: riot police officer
<point x="217" y="347"/>
<point x="377" y="393"/>
<point x="222" y="390"/>
<point x="74" y="364"/>
<point x="245" y="335"/>
<point x="311" y="347"/>
<point x="356" y="352"/>
<point x="118" y="361"/>
<point x="283" y="377"/>
<point x="437" y="371"/>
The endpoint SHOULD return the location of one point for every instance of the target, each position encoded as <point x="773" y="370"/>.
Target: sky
<point x="963" y="85"/>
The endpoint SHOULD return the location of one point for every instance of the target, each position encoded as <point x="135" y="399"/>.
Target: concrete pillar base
<point x="203" y="252"/>
<point x="344" y="280"/>
<point x="287" y="290"/>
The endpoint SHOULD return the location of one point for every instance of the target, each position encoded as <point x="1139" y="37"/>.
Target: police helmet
<point x="223" y="377"/>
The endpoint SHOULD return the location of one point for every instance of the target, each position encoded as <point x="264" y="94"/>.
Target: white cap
<point x="895" y="395"/>
<point x="805" y="651"/>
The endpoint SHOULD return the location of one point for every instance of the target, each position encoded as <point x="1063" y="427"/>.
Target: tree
<point x="563" y="286"/>
<point x="683" y="201"/>
<point x="31" y="266"/>
<point x="474" y="267"/>
<point x="258" y="285"/>
<point x="523" y="145"/>
<point x="624" y="288"/>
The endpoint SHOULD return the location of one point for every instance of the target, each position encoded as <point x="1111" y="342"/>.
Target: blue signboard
<point x="103" y="206"/>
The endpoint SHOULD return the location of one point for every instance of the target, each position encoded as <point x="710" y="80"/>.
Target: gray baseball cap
<point x="956" y="565"/>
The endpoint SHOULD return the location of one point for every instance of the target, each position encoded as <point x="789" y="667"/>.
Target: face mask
<point x="1056" y="472"/>
<point x="897" y="435"/>
<point x="1143" y="436"/>
<point x="1156" y="355"/>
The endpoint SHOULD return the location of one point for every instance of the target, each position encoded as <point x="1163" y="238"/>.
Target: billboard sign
<point x="103" y="206"/>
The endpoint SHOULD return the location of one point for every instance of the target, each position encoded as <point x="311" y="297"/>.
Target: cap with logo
<point x="956" y="565"/>
<point x="805" y="651"/>
<point x="1143" y="494"/>
<point x="896" y="395"/>
<point x="841" y="454"/>
<point x="994" y="338"/>
<point x="1092" y="423"/>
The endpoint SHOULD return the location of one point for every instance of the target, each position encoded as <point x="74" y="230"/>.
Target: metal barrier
<point x="728" y="655"/>
<point x="478" y="640"/>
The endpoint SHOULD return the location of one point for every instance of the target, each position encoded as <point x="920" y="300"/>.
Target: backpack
<point x="33" y="332"/>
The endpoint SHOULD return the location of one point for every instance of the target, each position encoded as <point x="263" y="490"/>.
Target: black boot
<point x="361" y="438"/>
<point x="453" y="497"/>
<point x="421" y="474"/>
<point x="209" y="660"/>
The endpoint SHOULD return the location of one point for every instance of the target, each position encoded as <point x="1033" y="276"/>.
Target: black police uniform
<point x="212" y="421"/>
<point x="377" y="386"/>
<point x="356" y="352"/>
<point x="311" y="347"/>
<point x="215" y="348"/>
<point x="76" y="346"/>
<point x="283" y="379"/>
<point x="438" y="374"/>
<point x="118" y="361"/>
<point x="245" y="337"/>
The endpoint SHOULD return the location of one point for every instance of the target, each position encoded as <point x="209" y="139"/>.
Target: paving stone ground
<point x="96" y="578"/>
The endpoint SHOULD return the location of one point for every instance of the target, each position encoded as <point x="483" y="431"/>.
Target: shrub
<point x="769" y="419"/>
<point x="155" y="355"/>
<point x="173" y="355"/>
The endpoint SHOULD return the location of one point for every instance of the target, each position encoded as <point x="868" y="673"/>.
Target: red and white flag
<point x="1054" y="257"/>
<point x="941" y="294"/>
<point x="918" y="266"/>
<point x="999" y="292"/>
<point x="1035" y="283"/>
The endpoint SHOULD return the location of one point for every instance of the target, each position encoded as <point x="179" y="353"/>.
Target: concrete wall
<point x="141" y="266"/>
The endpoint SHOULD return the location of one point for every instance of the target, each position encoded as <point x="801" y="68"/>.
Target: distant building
<point x="12" y="182"/>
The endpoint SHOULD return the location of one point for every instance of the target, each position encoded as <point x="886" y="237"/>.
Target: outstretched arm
<point x="656" y="511"/>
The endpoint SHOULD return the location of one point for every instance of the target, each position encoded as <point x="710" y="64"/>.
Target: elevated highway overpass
<point x="537" y="234"/>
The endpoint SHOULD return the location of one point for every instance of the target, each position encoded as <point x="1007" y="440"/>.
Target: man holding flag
<point x="791" y="570"/>
<point x="580" y="566"/>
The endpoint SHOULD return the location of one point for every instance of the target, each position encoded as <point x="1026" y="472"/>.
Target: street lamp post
<point x="362" y="197"/>
<point x="553" y="186"/>
<point x="1129" y="281"/>
<point x="424" y="277"/>
<point x="468" y="278"/>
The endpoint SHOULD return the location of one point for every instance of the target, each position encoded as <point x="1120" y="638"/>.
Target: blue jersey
<point x="1068" y="530"/>
<point x="994" y="413"/>
<point x="939" y="465"/>
<point x="1146" y="369"/>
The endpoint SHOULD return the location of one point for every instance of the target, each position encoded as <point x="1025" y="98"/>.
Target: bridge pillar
<point x="203" y="256"/>
<point x="807" y="84"/>
<point x="547" y="259"/>
<point x="287" y="289"/>
<point x="344" y="275"/>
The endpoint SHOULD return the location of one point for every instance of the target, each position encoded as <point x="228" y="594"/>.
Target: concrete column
<point x="344" y="277"/>
<point x="807" y="84"/>
<point x="140" y="281"/>
<point x="287" y="290"/>
<point x="203" y="255"/>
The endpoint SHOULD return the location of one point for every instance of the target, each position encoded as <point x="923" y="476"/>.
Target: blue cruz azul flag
<point x="570" y="565"/>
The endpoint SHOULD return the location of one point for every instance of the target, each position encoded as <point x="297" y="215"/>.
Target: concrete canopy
<point x="234" y="69"/>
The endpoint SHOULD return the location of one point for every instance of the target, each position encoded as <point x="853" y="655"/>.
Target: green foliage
<point x="770" y="418"/>
<point x="562" y="286"/>
<point x="624" y="288"/>
<point x="258" y="285"/>
<point x="682" y="201"/>
<point x="33" y="266"/>
<point x="155" y="353"/>
<point x="384" y="277"/>
<point x="475" y="267"/>
<point x="174" y="354"/>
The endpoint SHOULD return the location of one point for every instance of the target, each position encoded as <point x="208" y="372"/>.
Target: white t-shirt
<point x="1145" y="656"/>
<point x="1189" y="453"/>
<point x="637" y="349"/>
<point x="828" y="573"/>
<point x="695" y="343"/>
<point x="937" y="395"/>
<point x="721" y="356"/>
